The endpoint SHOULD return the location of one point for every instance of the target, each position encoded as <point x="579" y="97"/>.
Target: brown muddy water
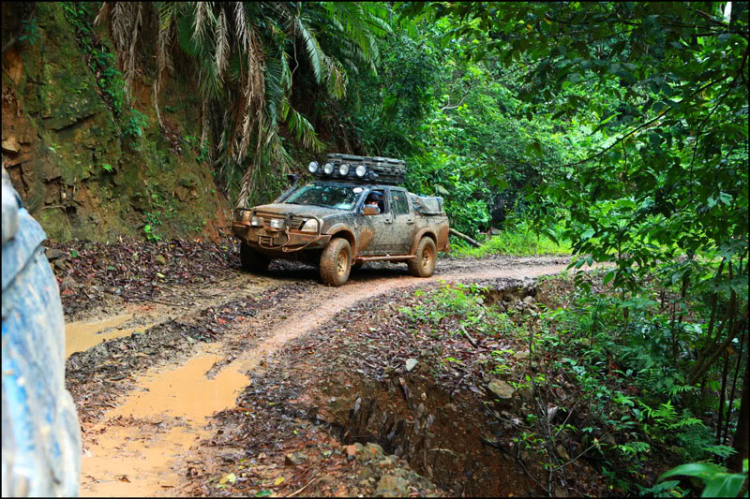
<point x="160" y="423"/>
<point x="80" y="336"/>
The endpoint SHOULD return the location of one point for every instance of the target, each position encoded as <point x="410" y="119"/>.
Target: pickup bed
<point x="337" y="225"/>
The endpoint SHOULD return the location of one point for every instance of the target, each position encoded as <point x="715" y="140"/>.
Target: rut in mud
<point x="148" y="399"/>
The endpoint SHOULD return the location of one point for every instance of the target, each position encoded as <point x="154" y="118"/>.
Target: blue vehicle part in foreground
<point x="41" y="441"/>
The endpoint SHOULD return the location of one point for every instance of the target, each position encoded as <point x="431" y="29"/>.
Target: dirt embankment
<point x="88" y="161"/>
<point x="215" y="390"/>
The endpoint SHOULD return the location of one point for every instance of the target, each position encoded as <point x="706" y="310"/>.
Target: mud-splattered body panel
<point x="393" y="233"/>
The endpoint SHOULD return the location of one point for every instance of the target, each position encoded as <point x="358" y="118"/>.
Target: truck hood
<point x="298" y="209"/>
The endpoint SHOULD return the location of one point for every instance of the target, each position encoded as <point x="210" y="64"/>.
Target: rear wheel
<point x="336" y="262"/>
<point x="253" y="261"/>
<point x="424" y="264"/>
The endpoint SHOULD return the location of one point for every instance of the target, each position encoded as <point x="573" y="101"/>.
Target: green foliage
<point x="655" y="95"/>
<point x="454" y="122"/>
<point x="148" y="229"/>
<point x="463" y="306"/>
<point x="135" y="122"/>
<point x="517" y="239"/>
<point x="456" y="300"/>
<point x="718" y="482"/>
<point x="98" y="56"/>
<point x="633" y="375"/>
<point x="30" y="31"/>
<point x="662" y="90"/>
<point x="150" y="234"/>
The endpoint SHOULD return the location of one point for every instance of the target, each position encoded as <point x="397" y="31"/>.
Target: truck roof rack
<point x="369" y="169"/>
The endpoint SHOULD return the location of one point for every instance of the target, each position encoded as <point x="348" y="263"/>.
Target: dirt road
<point x="147" y="403"/>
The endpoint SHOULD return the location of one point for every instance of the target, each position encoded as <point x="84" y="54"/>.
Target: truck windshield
<point x="339" y="197"/>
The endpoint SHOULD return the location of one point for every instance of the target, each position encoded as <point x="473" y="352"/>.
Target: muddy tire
<point x="424" y="264"/>
<point x="253" y="261"/>
<point x="336" y="262"/>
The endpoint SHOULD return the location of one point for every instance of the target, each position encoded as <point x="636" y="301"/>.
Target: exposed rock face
<point x="68" y="151"/>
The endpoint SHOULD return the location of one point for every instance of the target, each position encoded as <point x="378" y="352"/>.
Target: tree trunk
<point x="465" y="238"/>
<point x="742" y="433"/>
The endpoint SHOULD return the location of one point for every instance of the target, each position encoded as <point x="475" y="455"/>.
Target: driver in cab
<point x="375" y="200"/>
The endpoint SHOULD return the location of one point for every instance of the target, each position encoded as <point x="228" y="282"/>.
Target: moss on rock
<point x="85" y="176"/>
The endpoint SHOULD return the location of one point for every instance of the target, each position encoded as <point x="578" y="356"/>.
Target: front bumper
<point x="285" y="241"/>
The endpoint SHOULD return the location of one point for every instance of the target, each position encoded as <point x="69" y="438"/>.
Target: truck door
<point x="376" y="233"/>
<point x="403" y="222"/>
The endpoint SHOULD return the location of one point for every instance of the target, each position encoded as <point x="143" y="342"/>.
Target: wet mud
<point x="83" y="335"/>
<point x="171" y="408"/>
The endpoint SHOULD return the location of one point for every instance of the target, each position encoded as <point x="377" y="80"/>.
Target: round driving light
<point x="312" y="167"/>
<point x="361" y="170"/>
<point x="328" y="168"/>
<point x="344" y="170"/>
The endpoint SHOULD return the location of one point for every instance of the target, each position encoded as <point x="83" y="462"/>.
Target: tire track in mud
<point x="146" y="445"/>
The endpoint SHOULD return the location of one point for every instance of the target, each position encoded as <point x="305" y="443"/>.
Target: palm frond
<point x="302" y="129"/>
<point x="245" y="55"/>
<point x="222" y="45"/>
<point x="314" y="52"/>
<point x="241" y="26"/>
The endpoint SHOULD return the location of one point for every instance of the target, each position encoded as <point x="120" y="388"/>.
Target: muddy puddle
<point x="80" y="336"/>
<point x="146" y="440"/>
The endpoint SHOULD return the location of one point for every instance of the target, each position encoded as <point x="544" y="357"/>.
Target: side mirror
<point x="292" y="178"/>
<point x="370" y="210"/>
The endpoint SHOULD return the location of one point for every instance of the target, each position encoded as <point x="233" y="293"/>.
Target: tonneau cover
<point x="427" y="205"/>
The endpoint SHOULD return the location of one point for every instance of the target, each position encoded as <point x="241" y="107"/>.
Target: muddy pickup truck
<point x="353" y="212"/>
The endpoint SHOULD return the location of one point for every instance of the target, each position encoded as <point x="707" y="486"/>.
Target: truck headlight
<point x="361" y="170"/>
<point x="256" y="222"/>
<point x="328" y="168"/>
<point x="344" y="170"/>
<point x="277" y="223"/>
<point x="310" y="226"/>
<point x="312" y="167"/>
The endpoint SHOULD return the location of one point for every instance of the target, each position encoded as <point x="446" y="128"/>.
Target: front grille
<point x="295" y="222"/>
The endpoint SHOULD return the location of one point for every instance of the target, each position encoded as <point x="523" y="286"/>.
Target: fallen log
<point x="465" y="238"/>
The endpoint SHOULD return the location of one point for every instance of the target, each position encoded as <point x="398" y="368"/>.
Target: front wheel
<point x="424" y="264"/>
<point x="336" y="262"/>
<point x="253" y="261"/>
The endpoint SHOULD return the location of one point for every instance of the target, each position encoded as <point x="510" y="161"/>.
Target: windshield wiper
<point x="308" y="204"/>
